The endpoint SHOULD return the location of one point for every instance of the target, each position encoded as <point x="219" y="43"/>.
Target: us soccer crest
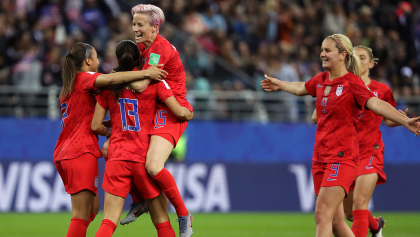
<point x="375" y="93"/>
<point x="339" y="90"/>
<point x="327" y="90"/>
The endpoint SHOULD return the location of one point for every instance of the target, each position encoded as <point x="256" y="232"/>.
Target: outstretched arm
<point x="116" y="78"/>
<point x="179" y="111"/>
<point x="386" y="110"/>
<point x="97" y="126"/>
<point x="390" y="123"/>
<point x="273" y="84"/>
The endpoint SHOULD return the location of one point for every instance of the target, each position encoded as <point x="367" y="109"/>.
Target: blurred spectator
<point x="279" y="38"/>
<point x="334" y="21"/>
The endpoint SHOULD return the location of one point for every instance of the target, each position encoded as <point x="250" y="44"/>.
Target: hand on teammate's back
<point x="156" y="73"/>
<point x="270" y="84"/>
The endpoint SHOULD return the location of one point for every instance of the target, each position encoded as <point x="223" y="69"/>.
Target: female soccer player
<point x="132" y="116"/>
<point x="76" y="153"/>
<point x="167" y="130"/>
<point x="341" y="96"/>
<point x="371" y="150"/>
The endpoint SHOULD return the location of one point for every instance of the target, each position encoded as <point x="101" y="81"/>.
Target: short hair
<point x="156" y="16"/>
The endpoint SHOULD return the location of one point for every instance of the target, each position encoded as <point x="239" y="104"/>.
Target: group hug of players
<point x="145" y="97"/>
<point x="148" y="113"/>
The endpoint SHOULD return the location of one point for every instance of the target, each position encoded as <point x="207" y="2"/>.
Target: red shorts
<point x="334" y="174"/>
<point x="168" y="126"/>
<point x="120" y="175"/>
<point x="79" y="173"/>
<point x="372" y="165"/>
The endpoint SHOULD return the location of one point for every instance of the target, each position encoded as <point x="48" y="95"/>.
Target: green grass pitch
<point x="205" y="225"/>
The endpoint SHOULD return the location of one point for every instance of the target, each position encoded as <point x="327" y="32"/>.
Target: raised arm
<point x="97" y="126"/>
<point x="179" y="111"/>
<point x="386" y="110"/>
<point x="153" y="72"/>
<point x="273" y="84"/>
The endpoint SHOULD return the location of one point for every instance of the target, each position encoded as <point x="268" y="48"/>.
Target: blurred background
<point x="226" y="47"/>
<point x="243" y="144"/>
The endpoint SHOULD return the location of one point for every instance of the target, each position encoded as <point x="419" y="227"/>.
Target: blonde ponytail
<point x="369" y="50"/>
<point x="352" y="62"/>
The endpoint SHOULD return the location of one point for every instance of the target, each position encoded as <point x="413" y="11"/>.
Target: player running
<point x="167" y="129"/>
<point x="77" y="151"/>
<point x="132" y="116"/>
<point x="341" y="96"/>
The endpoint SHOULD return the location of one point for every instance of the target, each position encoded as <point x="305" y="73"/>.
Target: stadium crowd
<point x="278" y="37"/>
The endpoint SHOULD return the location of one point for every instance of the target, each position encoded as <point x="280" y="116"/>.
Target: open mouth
<point x="138" y="36"/>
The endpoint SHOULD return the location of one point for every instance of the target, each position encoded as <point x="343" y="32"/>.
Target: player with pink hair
<point x="155" y="49"/>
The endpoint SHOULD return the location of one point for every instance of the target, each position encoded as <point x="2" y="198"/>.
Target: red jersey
<point x="339" y="104"/>
<point x="163" y="52"/>
<point x="368" y="133"/>
<point x="77" y="109"/>
<point x="132" y="116"/>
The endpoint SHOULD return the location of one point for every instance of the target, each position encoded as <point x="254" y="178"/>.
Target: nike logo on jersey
<point x="330" y="179"/>
<point x="369" y="167"/>
<point x="156" y="127"/>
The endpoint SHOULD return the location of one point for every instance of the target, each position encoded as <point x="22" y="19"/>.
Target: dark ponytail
<point x="128" y="56"/>
<point x="72" y="64"/>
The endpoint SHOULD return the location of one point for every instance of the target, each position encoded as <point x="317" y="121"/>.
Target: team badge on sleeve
<point x="327" y="90"/>
<point x="339" y="90"/>
<point x="154" y="59"/>
<point x="375" y="93"/>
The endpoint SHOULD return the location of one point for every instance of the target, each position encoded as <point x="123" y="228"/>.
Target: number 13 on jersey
<point x="134" y="113"/>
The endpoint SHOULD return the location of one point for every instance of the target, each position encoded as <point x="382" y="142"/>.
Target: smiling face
<point x="365" y="59"/>
<point x="330" y="56"/>
<point x="142" y="29"/>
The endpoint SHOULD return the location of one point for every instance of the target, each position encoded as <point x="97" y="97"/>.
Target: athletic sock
<point x="91" y="218"/>
<point x="107" y="229"/>
<point x="373" y="223"/>
<point x="360" y="225"/>
<point x="167" y="182"/>
<point x="77" y="228"/>
<point x="165" y="229"/>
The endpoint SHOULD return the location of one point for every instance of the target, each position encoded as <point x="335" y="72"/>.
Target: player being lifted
<point x="132" y="116"/>
<point x="340" y="98"/>
<point x="167" y="130"/>
<point x="76" y="153"/>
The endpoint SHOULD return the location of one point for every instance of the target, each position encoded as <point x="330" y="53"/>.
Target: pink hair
<point x="156" y="16"/>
